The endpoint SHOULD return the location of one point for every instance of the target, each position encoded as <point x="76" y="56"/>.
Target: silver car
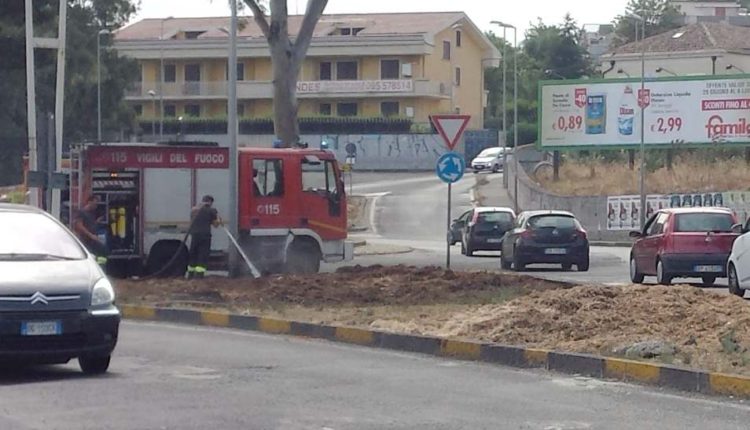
<point x="56" y="304"/>
<point x="490" y="160"/>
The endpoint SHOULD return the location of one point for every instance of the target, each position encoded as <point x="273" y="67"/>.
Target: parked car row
<point x="550" y="237"/>
<point x="705" y="243"/>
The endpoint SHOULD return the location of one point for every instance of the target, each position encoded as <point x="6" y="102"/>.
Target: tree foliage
<point x="659" y="16"/>
<point x="85" y="19"/>
<point x="548" y="52"/>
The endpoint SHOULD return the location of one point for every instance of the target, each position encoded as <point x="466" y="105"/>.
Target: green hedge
<point x="307" y="125"/>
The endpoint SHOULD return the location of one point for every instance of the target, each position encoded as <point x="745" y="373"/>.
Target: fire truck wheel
<point x="303" y="258"/>
<point x="164" y="252"/>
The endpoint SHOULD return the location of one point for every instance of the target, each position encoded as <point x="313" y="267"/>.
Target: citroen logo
<point x="39" y="298"/>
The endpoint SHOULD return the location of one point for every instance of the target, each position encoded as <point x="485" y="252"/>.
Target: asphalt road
<point x="172" y="377"/>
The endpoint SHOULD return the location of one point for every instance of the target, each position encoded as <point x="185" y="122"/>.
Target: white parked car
<point x="738" y="268"/>
<point x="489" y="160"/>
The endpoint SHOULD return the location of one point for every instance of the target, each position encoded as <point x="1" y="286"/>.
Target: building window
<point x="240" y="109"/>
<point x="170" y="73"/>
<point x="346" y="71"/>
<point x="192" y="72"/>
<point x="390" y="69"/>
<point x="446" y="50"/>
<point x="170" y="110"/>
<point x="138" y="108"/>
<point x="139" y="78"/>
<point x="458" y="38"/>
<point x="458" y="76"/>
<point x="268" y="179"/>
<point x="325" y="109"/>
<point x="325" y="71"/>
<point x="240" y="71"/>
<point x="346" y="109"/>
<point x="348" y="31"/>
<point x="193" y="34"/>
<point x="193" y="110"/>
<point x="390" y="109"/>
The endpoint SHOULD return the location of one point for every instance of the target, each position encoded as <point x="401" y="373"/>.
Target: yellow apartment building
<point x="367" y="65"/>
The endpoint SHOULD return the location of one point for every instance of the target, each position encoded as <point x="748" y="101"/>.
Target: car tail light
<point x="580" y="234"/>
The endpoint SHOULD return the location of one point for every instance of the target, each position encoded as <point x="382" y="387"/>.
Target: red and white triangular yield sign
<point x="451" y="127"/>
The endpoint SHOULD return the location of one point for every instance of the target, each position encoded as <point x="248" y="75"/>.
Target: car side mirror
<point x="738" y="229"/>
<point x="636" y="234"/>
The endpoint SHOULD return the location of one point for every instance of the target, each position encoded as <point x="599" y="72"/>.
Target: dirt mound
<point x="355" y="286"/>
<point x="709" y="330"/>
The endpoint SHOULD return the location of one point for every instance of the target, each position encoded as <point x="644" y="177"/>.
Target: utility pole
<point x="642" y="177"/>
<point x="99" y="84"/>
<point x="58" y="44"/>
<point x="31" y="100"/>
<point x="233" y="131"/>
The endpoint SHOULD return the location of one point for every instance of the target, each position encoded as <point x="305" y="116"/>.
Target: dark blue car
<point x="546" y="237"/>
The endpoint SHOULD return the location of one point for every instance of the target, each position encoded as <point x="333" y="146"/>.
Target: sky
<point x="521" y="13"/>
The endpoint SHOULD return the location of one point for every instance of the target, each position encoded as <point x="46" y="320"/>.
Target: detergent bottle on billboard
<point x="626" y="114"/>
<point x="596" y="114"/>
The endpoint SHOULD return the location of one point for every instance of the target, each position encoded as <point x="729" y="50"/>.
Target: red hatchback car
<point x="683" y="243"/>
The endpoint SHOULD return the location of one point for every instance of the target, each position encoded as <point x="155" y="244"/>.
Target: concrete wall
<point x="590" y="210"/>
<point x="406" y="152"/>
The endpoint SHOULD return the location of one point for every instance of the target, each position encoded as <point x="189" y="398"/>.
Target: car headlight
<point x="103" y="293"/>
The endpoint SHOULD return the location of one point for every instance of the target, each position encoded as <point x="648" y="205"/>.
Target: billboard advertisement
<point x="623" y="212"/>
<point x="682" y="111"/>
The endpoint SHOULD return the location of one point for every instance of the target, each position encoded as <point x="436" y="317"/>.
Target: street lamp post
<point x="101" y="33"/>
<point x="663" y="70"/>
<point x="515" y="107"/>
<point x="732" y="66"/>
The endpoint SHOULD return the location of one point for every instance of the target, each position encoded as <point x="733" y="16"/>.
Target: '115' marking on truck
<point x="270" y="209"/>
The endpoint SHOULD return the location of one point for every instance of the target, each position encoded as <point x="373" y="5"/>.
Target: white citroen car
<point x="738" y="269"/>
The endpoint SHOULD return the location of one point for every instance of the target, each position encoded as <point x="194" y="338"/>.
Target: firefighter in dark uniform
<point x="85" y="226"/>
<point x="202" y="218"/>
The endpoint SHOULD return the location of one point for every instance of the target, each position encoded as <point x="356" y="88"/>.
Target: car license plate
<point x="709" y="269"/>
<point x="41" y="328"/>
<point x="494" y="241"/>
<point x="555" y="251"/>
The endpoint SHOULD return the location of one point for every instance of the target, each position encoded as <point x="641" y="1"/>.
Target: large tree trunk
<point x="285" y="108"/>
<point x="285" y="73"/>
<point x="287" y="58"/>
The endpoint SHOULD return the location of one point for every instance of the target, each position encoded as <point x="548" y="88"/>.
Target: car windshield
<point x="35" y="236"/>
<point x="490" y="152"/>
<point x="494" y="217"/>
<point x="552" y="221"/>
<point x="704" y="223"/>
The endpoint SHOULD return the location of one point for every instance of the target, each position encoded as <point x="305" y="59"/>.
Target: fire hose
<point x="253" y="270"/>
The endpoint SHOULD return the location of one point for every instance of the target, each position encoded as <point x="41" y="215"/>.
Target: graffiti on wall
<point x="623" y="212"/>
<point x="384" y="152"/>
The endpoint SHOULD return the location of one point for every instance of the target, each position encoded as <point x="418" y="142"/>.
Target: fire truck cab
<point x="292" y="205"/>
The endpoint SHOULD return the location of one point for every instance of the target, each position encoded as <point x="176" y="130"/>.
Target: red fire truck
<point x="292" y="205"/>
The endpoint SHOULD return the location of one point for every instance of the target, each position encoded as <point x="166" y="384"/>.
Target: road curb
<point x="653" y="374"/>
<point x="612" y="244"/>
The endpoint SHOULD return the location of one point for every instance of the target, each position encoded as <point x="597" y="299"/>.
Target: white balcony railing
<point x="180" y="90"/>
<point x="305" y="89"/>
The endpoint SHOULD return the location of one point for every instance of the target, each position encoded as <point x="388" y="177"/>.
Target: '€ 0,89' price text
<point x="567" y="123"/>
